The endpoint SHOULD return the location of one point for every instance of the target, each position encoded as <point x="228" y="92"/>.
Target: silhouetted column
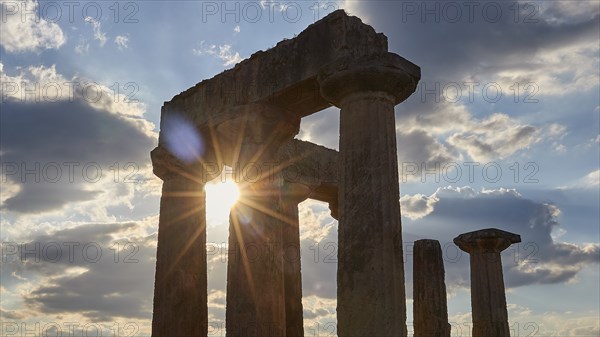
<point x="255" y="269"/>
<point x="430" y="309"/>
<point x="371" y="295"/>
<point x="292" y="195"/>
<point x="180" y="288"/>
<point x="488" y="299"/>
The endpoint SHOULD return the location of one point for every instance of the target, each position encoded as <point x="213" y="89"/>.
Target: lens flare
<point x="182" y="138"/>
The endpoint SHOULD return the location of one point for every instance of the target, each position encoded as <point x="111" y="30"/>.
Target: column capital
<point x="386" y="73"/>
<point x="167" y="166"/>
<point x="490" y="240"/>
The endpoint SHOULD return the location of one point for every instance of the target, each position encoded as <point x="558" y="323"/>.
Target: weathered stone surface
<point x="248" y="116"/>
<point x="255" y="272"/>
<point x="430" y="309"/>
<point x="313" y="166"/>
<point x="488" y="297"/>
<point x="291" y="196"/>
<point x="371" y="294"/>
<point x="284" y="75"/>
<point x="180" y="294"/>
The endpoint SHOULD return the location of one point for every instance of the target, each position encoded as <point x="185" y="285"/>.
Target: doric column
<point x="488" y="299"/>
<point x="292" y="195"/>
<point x="180" y="289"/>
<point x="430" y="309"/>
<point x="371" y="295"/>
<point x="255" y="270"/>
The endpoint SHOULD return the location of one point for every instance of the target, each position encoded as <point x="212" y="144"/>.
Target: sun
<point x="220" y="197"/>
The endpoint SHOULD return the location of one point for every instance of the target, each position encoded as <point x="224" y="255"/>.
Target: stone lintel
<point x="313" y="166"/>
<point x="486" y="240"/>
<point x="285" y="75"/>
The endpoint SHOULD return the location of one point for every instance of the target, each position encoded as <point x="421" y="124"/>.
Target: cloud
<point x="447" y="130"/>
<point x="542" y="49"/>
<point x="101" y="271"/>
<point x="82" y="47"/>
<point x="98" y="34"/>
<point x="60" y="150"/>
<point x="320" y="313"/>
<point x="223" y="52"/>
<point x="554" y="55"/>
<point x="497" y="136"/>
<point x="122" y="41"/>
<point x="591" y="180"/>
<point x="11" y="314"/>
<point x="418" y="151"/>
<point x="321" y="128"/>
<point x="417" y="206"/>
<point x="318" y="243"/>
<point x="539" y="259"/>
<point x="21" y="32"/>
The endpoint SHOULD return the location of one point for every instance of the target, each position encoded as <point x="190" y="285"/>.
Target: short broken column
<point x="430" y="309"/>
<point x="488" y="297"/>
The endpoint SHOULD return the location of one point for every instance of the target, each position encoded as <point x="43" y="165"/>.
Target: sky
<point x="503" y="131"/>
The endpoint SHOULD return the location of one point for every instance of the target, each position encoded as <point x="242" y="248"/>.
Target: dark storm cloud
<point x="66" y="145"/>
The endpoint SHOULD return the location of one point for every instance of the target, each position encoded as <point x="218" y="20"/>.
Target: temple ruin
<point x="248" y="117"/>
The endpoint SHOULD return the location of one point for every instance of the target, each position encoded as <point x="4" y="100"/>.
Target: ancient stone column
<point x="488" y="299"/>
<point x="255" y="269"/>
<point x="292" y="195"/>
<point x="430" y="309"/>
<point x="180" y="285"/>
<point x="371" y="295"/>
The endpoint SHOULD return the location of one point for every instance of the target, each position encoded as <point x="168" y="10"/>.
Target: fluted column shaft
<point x="292" y="268"/>
<point x="371" y="297"/>
<point x="370" y="293"/>
<point x="256" y="302"/>
<point x="180" y="286"/>
<point x="488" y="298"/>
<point x="255" y="283"/>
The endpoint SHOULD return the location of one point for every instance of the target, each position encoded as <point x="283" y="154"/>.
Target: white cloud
<point x="452" y="131"/>
<point x="98" y="34"/>
<point x="82" y="47"/>
<point x="122" y="41"/>
<point x="223" y="52"/>
<point x="51" y="86"/>
<point x="591" y="180"/>
<point x="552" y="71"/>
<point x="497" y="136"/>
<point x="113" y="127"/>
<point x="417" y="206"/>
<point x="236" y="29"/>
<point x="27" y="32"/>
